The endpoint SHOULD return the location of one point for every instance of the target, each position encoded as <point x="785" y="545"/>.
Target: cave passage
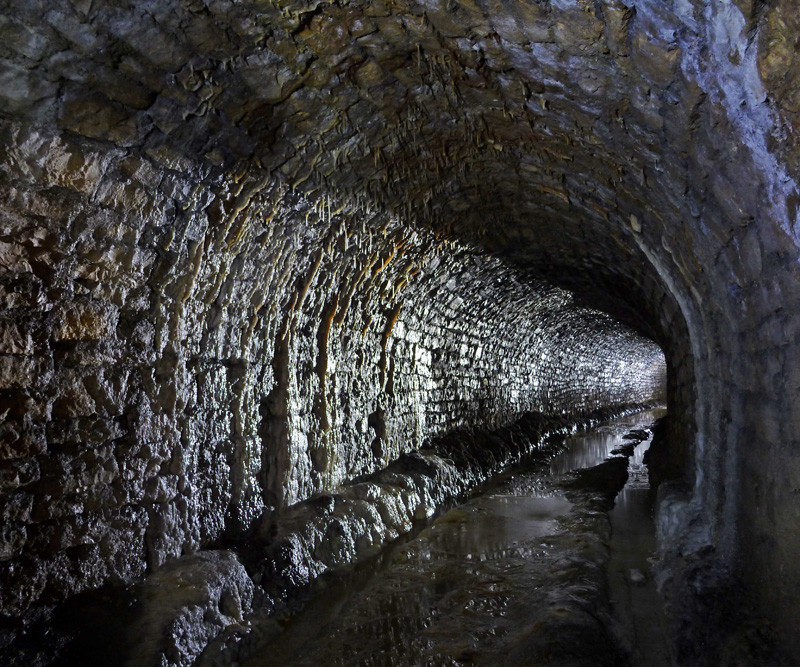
<point x="278" y="278"/>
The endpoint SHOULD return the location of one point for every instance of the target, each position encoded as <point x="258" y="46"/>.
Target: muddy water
<point x="475" y="586"/>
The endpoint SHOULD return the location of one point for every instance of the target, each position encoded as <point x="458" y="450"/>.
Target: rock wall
<point x="220" y="219"/>
<point x="183" y="353"/>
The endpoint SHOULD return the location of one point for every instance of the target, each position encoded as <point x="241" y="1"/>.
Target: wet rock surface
<point x="164" y="389"/>
<point x="514" y="575"/>
<point x="171" y="372"/>
<point x="250" y="251"/>
<point x="185" y="605"/>
<point x="640" y="622"/>
<point x="204" y="598"/>
<point x="354" y="523"/>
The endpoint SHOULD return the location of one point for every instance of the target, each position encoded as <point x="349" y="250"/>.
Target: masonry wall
<point x="179" y="360"/>
<point x="178" y="270"/>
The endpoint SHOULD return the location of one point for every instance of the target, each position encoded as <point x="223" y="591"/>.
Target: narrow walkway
<point x="638" y="608"/>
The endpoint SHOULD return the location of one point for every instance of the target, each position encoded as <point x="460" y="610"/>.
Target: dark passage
<point x="257" y="258"/>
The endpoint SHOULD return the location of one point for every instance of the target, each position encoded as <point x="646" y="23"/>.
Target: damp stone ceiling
<point x="253" y="250"/>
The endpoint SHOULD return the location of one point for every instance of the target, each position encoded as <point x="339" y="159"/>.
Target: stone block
<point x="85" y="321"/>
<point x="99" y="118"/>
<point x="67" y="165"/>
<point x="22" y="90"/>
<point x="23" y="40"/>
<point x="17" y="473"/>
<point x="14" y="258"/>
<point x="778" y="63"/>
<point x="22" y="372"/>
<point x="17" y="335"/>
<point x="187" y="603"/>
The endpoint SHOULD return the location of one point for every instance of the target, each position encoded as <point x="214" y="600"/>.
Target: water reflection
<point x="467" y="588"/>
<point x="589" y="449"/>
<point x="492" y="527"/>
<point x="638" y="608"/>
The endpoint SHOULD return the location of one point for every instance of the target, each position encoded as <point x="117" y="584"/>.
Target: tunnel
<point x="255" y="254"/>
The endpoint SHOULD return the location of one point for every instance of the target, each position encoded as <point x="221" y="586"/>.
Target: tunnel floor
<point x="637" y="607"/>
<point x="517" y="574"/>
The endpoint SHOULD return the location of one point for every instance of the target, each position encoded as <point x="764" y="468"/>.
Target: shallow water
<point x="588" y="449"/>
<point x="637" y="606"/>
<point x="489" y="527"/>
<point x="471" y="588"/>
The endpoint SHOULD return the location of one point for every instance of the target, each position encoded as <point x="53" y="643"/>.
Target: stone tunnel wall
<point x="182" y="353"/>
<point x="645" y="154"/>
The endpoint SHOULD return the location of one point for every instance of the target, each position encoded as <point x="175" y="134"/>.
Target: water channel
<point x="513" y="575"/>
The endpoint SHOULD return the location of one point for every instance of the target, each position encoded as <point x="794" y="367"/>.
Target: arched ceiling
<point x="621" y="149"/>
<point x="524" y="126"/>
<point x="641" y="153"/>
<point x="549" y="132"/>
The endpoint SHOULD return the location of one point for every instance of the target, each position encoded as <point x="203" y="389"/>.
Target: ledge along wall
<point x="251" y="250"/>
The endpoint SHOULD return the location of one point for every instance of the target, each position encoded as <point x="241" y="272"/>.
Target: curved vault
<point x="192" y="187"/>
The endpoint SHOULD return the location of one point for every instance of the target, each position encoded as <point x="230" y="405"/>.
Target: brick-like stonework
<point x="170" y="380"/>
<point x="251" y="249"/>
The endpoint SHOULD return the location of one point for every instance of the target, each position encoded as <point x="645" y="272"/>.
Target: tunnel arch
<point x="296" y="166"/>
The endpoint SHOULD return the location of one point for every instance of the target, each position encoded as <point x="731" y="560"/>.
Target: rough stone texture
<point x="341" y="528"/>
<point x="177" y="368"/>
<point x="187" y="603"/>
<point x="174" y="379"/>
<point x="453" y="594"/>
<point x="249" y="250"/>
